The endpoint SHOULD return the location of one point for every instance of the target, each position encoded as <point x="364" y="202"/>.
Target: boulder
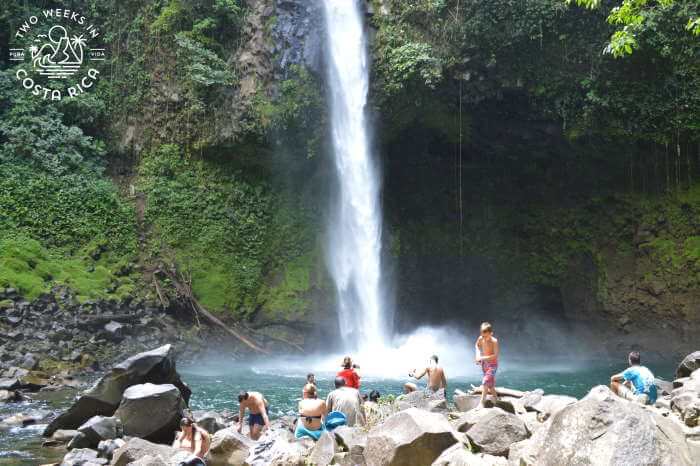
<point x="351" y="439"/>
<point x="687" y="405"/>
<point x="605" y="429"/>
<point x="8" y="383"/>
<point x="82" y="457"/>
<point x="137" y="448"/>
<point x="99" y="428"/>
<point x="325" y="449"/>
<point x="64" y="436"/>
<point x="103" y="399"/>
<point x="688" y="365"/>
<point x="548" y="405"/>
<point x="209" y="421"/>
<point x="10" y="396"/>
<point x="663" y="387"/>
<point x="493" y="430"/>
<point x="114" y="331"/>
<point x="459" y="455"/>
<point x="464" y="402"/>
<point x="229" y="448"/>
<point x="152" y="412"/>
<point x="106" y="448"/>
<point x="409" y="438"/>
<point x="79" y="441"/>
<point x="278" y="447"/>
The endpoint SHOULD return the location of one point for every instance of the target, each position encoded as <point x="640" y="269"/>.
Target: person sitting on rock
<point x="372" y="412"/>
<point x="312" y="413"/>
<point x="437" y="382"/>
<point x="258" y="419"/>
<point x="348" y="401"/>
<point x="636" y="383"/>
<point x="193" y="439"/>
<point x="350" y="373"/>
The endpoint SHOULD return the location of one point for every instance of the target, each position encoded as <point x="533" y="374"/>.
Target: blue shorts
<point x="258" y="418"/>
<point x="302" y="431"/>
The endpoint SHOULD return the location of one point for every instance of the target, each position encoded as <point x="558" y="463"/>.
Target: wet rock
<point x="29" y="362"/>
<point x="152" y="412"/>
<point x="409" y="438"/>
<point x="82" y="457"/>
<point x="688" y="365"/>
<point x="10" y="396"/>
<point x="605" y="429"/>
<point x="493" y="430"/>
<point x="9" y="384"/>
<point x="687" y="405"/>
<point x="459" y="455"/>
<point x="156" y="366"/>
<point x="663" y="387"/>
<point x="229" y="447"/>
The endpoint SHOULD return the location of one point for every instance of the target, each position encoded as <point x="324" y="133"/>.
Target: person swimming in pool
<point x="312" y="413"/>
<point x="258" y="419"/>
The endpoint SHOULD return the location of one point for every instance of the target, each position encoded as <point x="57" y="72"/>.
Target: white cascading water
<point x="354" y="249"/>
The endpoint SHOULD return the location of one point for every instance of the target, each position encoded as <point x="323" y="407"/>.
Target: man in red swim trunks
<point x="349" y="373"/>
<point x="487" y="356"/>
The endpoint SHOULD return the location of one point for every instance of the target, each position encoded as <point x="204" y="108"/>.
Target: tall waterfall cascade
<point x="355" y="224"/>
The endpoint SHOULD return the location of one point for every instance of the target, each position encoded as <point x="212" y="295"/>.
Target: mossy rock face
<point x="6" y="304"/>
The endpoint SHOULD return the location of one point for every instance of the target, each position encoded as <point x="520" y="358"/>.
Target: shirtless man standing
<point x="437" y="382"/>
<point x="258" y="407"/>
<point x="486" y="355"/>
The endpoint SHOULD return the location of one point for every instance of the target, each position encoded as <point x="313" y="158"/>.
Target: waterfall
<point x="355" y="223"/>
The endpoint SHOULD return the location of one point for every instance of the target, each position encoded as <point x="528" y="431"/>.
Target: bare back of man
<point x="436" y="375"/>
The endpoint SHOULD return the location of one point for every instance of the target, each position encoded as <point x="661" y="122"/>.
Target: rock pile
<point x="525" y="429"/>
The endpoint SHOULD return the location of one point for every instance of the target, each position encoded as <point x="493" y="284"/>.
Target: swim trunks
<point x="438" y="394"/>
<point x="257" y="418"/>
<point x="489" y="368"/>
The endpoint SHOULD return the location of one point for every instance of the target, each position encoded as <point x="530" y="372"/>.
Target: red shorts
<point x="489" y="368"/>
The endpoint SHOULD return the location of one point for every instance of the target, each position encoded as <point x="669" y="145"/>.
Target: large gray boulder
<point x="549" y="405"/>
<point x="229" y="448"/>
<point x="96" y="429"/>
<point x="152" y="412"/>
<point x="459" y="455"/>
<point x="82" y="457"/>
<point x="605" y="429"/>
<point x="137" y="448"/>
<point x="209" y="420"/>
<point x="102" y="399"/>
<point x="279" y="448"/>
<point x="492" y="430"/>
<point x="325" y="449"/>
<point x="409" y="438"/>
<point x="688" y="365"/>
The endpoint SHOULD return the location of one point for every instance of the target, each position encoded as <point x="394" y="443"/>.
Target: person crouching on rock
<point x="312" y="413"/>
<point x="636" y="383"/>
<point x="258" y="406"/>
<point x="193" y="439"/>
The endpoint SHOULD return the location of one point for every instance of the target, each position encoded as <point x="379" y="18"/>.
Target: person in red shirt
<point x="349" y="373"/>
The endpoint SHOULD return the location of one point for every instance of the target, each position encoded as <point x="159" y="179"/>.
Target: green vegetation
<point x="222" y="229"/>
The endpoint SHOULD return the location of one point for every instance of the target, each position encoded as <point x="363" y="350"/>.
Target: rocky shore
<point x="46" y="343"/>
<point x="128" y="417"/>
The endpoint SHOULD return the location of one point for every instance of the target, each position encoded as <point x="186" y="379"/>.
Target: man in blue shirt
<point x="636" y="383"/>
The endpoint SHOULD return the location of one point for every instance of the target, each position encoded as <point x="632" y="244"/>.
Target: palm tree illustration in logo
<point x="60" y="57"/>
